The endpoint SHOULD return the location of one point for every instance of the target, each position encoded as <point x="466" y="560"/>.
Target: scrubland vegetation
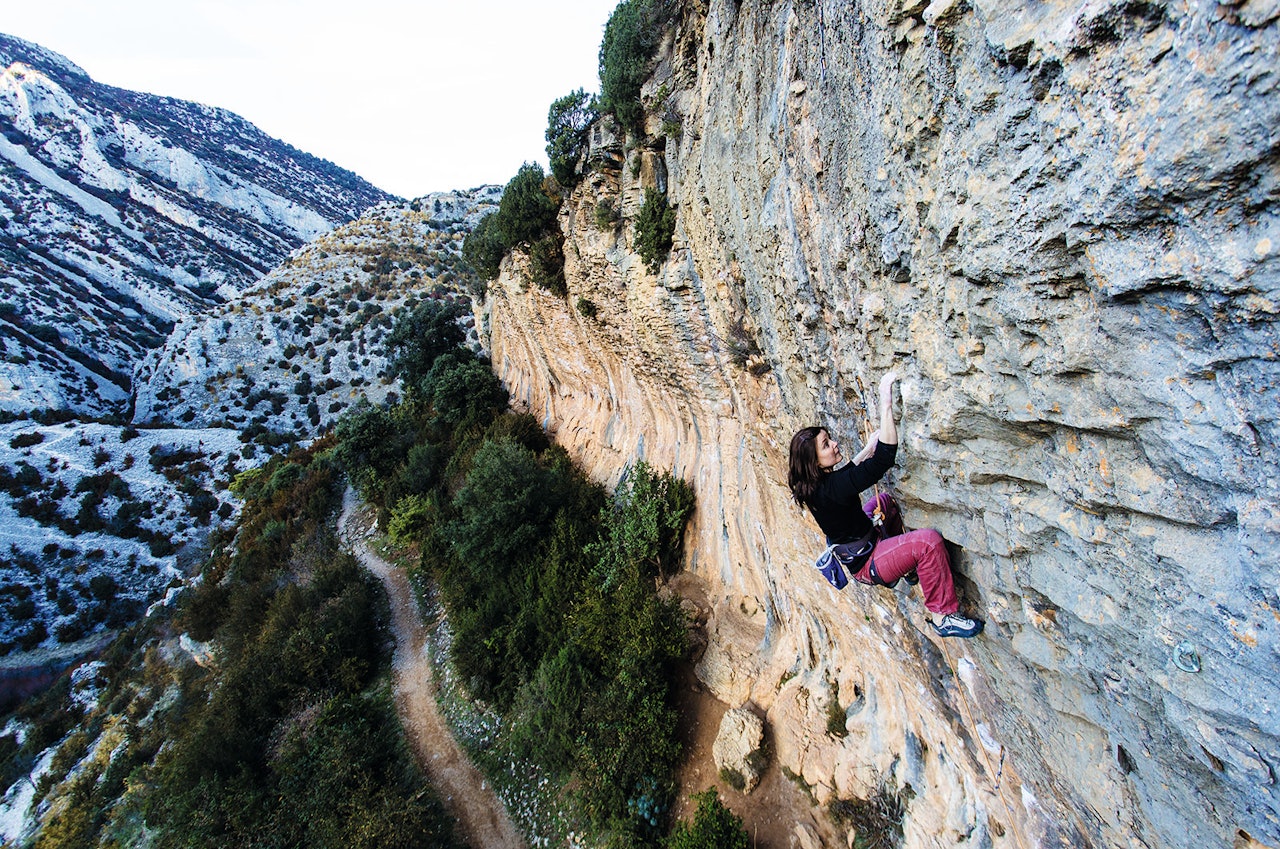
<point x="549" y="582"/>
<point x="284" y="734"/>
<point x="275" y="725"/>
<point x="270" y="722"/>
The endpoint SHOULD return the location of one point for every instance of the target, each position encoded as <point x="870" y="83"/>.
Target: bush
<point x="586" y="308"/>
<point x="525" y="214"/>
<point x="630" y="39"/>
<point x="483" y="249"/>
<point x="546" y="263"/>
<point x="409" y="519"/>
<point x="26" y="440"/>
<point x="655" y="229"/>
<point x="644" y="528"/>
<point x="502" y="507"/>
<point x="420" y="336"/>
<point x="568" y="122"/>
<point x="714" y="826"/>
<point x="103" y="587"/>
<point x="461" y="387"/>
<point x="607" y="214"/>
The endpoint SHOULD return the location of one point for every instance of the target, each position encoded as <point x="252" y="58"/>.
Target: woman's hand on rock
<point x="886" y="386"/>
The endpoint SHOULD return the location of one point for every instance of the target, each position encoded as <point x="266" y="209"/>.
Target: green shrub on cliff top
<point x="631" y="37"/>
<point x="568" y="121"/>
<point x="526" y="214"/>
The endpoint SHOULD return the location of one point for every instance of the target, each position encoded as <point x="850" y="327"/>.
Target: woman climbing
<point x="832" y="496"/>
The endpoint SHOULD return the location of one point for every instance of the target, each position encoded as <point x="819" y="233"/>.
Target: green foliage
<point x="655" y="229"/>
<point x="607" y="214"/>
<point x="714" y="826"/>
<point x="419" y="474"/>
<point x="483" y="249"/>
<point x="546" y="263"/>
<point x="420" y="336"/>
<point x="502" y="508"/>
<point x="586" y="308"/>
<point x="461" y="387"/>
<point x="526" y="213"/>
<point x="371" y="445"/>
<point x="568" y="122"/>
<point x="348" y="780"/>
<point x="630" y="39"/>
<point x="645" y="526"/>
<point x="522" y="428"/>
<point x="410" y="518"/>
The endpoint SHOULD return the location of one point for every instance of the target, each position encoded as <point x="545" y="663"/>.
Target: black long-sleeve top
<point x="836" y="503"/>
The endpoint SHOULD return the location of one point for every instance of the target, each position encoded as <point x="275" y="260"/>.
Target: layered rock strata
<point x="1059" y="222"/>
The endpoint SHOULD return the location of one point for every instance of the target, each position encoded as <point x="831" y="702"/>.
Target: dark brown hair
<point x="804" y="473"/>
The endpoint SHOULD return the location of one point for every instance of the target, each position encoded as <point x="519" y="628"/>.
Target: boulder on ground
<point x="739" y="749"/>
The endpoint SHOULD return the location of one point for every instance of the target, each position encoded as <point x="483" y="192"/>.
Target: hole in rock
<point x="1123" y="760"/>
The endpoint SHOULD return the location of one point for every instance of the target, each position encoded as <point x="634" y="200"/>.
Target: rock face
<point x="122" y="213"/>
<point x="737" y="750"/>
<point x="1059" y="222"/>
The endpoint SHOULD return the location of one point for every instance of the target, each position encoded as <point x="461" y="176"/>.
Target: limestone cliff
<point x="1058" y="220"/>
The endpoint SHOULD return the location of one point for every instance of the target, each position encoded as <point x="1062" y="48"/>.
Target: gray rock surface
<point x="1059" y="221"/>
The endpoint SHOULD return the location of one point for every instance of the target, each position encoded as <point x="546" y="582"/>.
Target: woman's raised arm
<point x="888" y="427"/>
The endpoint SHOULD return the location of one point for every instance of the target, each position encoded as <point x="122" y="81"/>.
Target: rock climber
<point x="833" y="497"/>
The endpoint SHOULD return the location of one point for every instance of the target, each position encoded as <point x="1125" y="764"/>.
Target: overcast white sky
<point x="415" y="97"/>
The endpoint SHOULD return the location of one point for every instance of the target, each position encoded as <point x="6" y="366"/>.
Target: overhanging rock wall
<point x="1059" y="222"/>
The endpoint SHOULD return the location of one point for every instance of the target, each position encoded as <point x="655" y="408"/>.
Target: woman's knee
<point x="929" y="537"/>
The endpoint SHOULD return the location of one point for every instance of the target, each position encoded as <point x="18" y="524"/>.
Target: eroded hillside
<point x="290" y="355"/>
<point x="122" y="213"/>
<point x="1059" y="222"/>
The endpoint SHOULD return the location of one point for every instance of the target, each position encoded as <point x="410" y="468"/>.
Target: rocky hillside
<point x="95" y="519"/>
<point x="123" y="213"/>
<point x="291" y="354"/>
<point x="1059" y="222"/>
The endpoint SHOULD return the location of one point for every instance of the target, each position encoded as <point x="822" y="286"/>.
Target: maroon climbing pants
<point x="897" y="553"/>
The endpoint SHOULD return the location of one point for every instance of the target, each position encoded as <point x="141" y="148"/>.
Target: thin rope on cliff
<point x="822" y="43"/>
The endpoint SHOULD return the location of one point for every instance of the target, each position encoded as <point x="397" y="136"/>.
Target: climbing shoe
<point x="912" y="578"/>
<point x="955" y="625"/>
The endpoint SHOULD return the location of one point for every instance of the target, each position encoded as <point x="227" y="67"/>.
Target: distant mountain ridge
<point x="122" y="213"/>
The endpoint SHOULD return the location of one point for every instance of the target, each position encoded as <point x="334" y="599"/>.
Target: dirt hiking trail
<point x="482" y="819"/>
